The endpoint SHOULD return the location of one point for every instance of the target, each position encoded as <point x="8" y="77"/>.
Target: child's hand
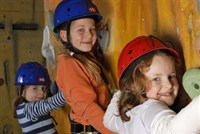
<point x="54" y="88"/>
<point x="116" y="96"/>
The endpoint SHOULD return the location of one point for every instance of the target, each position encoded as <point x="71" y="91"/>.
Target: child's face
<point x="163" y="81"/>
<point x="83" y="34"/>
<point x="34" y="92"/>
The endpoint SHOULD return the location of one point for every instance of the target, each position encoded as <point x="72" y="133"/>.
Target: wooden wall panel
<point x="126" y="20"/>
<point x="17" y="45"/>
<point x="187" y="18"/>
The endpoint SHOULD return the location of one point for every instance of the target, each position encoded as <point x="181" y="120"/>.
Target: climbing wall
<point x="174" y="21"/>
<point x="21" y="25"/>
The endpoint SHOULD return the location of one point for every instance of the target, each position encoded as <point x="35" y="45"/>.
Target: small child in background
<point x="32" y="107"/>
<point x="150" y="92"/>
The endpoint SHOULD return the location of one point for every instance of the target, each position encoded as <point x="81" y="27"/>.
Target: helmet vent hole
<point x="129" y="52"/>
<point x="68" y="9"/>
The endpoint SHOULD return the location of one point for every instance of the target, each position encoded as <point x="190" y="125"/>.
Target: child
<point x="79" y="74"/>
<point x="149" y="88"/>
<point x="32" y="106"/>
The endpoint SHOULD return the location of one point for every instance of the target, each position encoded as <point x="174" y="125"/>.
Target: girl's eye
<point x="35" y="89"/>
<point x="172" y="77"/>
<point x="156" y="79"/>
<point x="44" y="89"/>
<point x="81" y="30"/>
<point x="93" y="30"/>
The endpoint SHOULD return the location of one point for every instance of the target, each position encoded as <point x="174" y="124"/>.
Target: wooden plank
<point x="186" y="14"/>
<point x="21" y="6"/>
<point x="17" y="47"/>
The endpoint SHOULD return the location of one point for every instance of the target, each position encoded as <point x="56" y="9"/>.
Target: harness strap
<point x="77" y="128"/>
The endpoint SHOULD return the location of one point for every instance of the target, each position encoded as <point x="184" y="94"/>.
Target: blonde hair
<point x="91" y="65"/>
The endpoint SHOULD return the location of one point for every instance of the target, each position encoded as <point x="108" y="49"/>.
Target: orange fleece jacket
<point x="87" y="101"/>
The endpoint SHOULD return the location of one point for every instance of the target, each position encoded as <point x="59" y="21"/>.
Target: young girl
<point x="80" y="74"/>
<point x="150" y="92"/>
<point x="32" y="107"/>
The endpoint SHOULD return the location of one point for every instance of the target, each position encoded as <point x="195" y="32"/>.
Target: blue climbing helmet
<point x="32" y="73"/>
<point x="68" y="10"/>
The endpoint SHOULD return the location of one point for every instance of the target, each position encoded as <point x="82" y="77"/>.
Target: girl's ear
<point x="63" y="35"/>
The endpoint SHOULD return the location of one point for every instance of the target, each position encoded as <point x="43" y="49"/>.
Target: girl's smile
<point x="83" y="34"/>
<point x="163" y="82"/>
<point x="34" y="92"/>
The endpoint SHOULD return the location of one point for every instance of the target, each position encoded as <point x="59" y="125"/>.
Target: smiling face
<point x="34" y="92"/>
<point x="83" y="34"/>
<point x="163" y="81"/>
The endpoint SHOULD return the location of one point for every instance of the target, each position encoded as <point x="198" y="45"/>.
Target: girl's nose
<point x="167" y="84"/>
<point x="89" y="34"/>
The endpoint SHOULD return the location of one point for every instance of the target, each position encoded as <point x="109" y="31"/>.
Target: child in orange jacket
<point x="80" y="75"/>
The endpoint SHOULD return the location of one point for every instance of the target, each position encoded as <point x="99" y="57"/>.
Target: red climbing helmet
<point x="68" y="10"/>
<point x="137" y="48"/>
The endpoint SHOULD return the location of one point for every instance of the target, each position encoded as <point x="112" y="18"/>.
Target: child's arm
<point x="111" y="117"/>
<point x="36" y="109"/>
<point x="186" y="121"/>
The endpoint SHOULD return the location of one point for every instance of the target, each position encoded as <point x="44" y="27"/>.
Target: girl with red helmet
<point x="80" y="74"/>
<point x="32" y="107"/>
<point x="150" y="99"/>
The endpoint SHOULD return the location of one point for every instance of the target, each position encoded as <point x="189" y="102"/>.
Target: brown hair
<point x="133" y="88"/>
<point x="18" y="100"/>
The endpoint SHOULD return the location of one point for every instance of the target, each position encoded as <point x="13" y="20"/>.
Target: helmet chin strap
<point x="73" y="49"/>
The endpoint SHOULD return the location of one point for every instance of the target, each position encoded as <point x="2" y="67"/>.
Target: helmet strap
<point x="21" y="90"/>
